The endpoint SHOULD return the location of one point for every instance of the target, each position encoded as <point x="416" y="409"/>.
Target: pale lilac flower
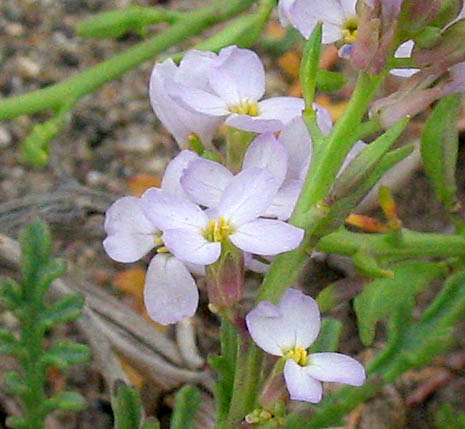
<point x="179" y="121"/>
<point x="195" y="236"/>
<point x="338" y="16"/>
<point x="287" y="330"/>
<point x="236" y="83"/>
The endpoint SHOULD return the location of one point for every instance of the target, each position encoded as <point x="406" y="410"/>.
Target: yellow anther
<point x="350" y="31"/>
<point x="299" y="354"/>
<point x="218" y="230"/>
<point x="162" y="249"/>
<point x="158" y="241"/>
<point x="245" y="107"/>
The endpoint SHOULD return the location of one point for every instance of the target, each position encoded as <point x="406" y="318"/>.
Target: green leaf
<point x="9" y="345"/>
<point x="69" y="401"/>
<point x="64" y="310"/>
<point x="328" y="338"/>
<point x="151" y="423"/>
<point x="66" y="353"/>
<point x="127" y="406"/>
<point x="439" y="148"/>
<point x="10" y="292"/>
<point x="54" y="269"/>
<point x="328" y="81"/>
<point x="309" y="65"/>
<point x="15" y="384"/>
<point x="445" y="417"/>
<point x="381" y="297"/>
<point x="15" y="422"/>
<point x="186" y="404"/>
<point x="224" y="366"/>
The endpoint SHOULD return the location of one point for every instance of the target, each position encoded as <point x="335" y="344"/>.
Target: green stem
<point x="325" y="165"/>
<point x="246" y="382"/>
<point x="88" y="81"/>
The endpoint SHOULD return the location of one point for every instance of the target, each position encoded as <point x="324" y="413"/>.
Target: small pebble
<point x="14" y="30"/>
<point x="27" y="67"/>
<point x="5" y="138"/>
<point x="94" y="178"/>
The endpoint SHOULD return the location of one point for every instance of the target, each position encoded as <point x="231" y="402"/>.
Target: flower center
<point x="299" y="354"/>
<point x="160" y="245"/>
<point x="349" y="31"/>
<point x="245" y="107"/>
<point x="218" y="230"/>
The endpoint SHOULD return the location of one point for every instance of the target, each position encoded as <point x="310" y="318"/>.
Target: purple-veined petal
<point x="253" y="124"/>
<point x="240" y="76"/>
<point x="191" y="246"/>
<point x="285" y="200"/>
<point x="301" y="316"/>
<point x="335" y="367"/>
<point x="267" y="237"/>
<point x="284" y="109"/>
<point x="176" y="118"/>
<point x="404" y="51"/>
<point x="267" y="152"/>
<point x="305" y="14"/>
<point x="127" y="248"/>
<point x="266" y="327"/>
<point x="301" y="387"/>
<point x="197" y="100"/>
<point x="170" y="293"/>
<point x="168" y="211"/>
<point x="294" y="322"/>
<point x="247" y="196"/>
<point x="171" y="181"/>
<point x="205" y="181"/>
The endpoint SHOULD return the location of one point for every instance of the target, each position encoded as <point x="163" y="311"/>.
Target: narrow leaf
<point x="309" y="65"/>
<point x="69" y="401"/>
<point x="151" y="423"/>
<point x="126" y="405"/>
<point x="64" y="310"/>
<point x="187" y="402"/>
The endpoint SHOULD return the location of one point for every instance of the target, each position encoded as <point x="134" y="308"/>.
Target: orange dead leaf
<point x="131" y="281"/>
<point x="135" y="377"/>
<point x="274" y="30"/>
<point x="366" y="223"/>
<point x="139" y="183"/>
<point x="290" y="64"/>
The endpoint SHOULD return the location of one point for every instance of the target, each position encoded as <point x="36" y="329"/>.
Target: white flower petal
<point x="336" y="367"/>
<point x="171" y="181"/>
<point x="254" y="264"/>
<point x="356" y="149"/>
<point x="300" y="385"/>
<point x="267" y="237"/>
<point x="240" y="76"/>
<point x="247" y="196"/>
<point x="205" y="181"/>
<point x="283" y="11"/>
<point x="170" y="293"/>
<point x="266" y="327"/>
<point x="404" y="51"/>
<point x="167" y="211"/>
<point x="301" y="316"/>
<point x="283" y="109"/>
<point x="127" y="248"/>
<point x="267" y="152"/>
<point x="253" y="124"/>
<point x="191" y="246"/>
<point x="194" y="68"/>
<point x="285" y="200"/>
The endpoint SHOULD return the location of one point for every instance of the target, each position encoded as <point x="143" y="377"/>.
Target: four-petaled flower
<point x="287" y="330"/>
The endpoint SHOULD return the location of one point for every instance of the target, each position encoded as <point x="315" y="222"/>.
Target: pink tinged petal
<point x="298" y="143"/>
<point x="191" y="246"/>
<point x="171" y="181"/>
<point x="283" y="204"/>
<point x="176" y="118"/>
<point x="253" y="124"/>
<point x="197" y="100"/>
<point x="268" y="330"/>
<point x="247" y="196"/>
<point x="300" y="385"/>
<point x="238" y="77"/>
<point x="170" y="293"/>
<point x="168" y="211"/>
<point x="284" y="109"/>
<point x="268" y="153"/>
<point x="301" y="316"/>
<point x="336" y="367"/>
<point x="267" y="237"/>
<point x="205" y="181"/>
<point x="305" y="14"/>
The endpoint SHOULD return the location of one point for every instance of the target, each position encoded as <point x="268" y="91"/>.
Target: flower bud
<point x="225" y="278"/>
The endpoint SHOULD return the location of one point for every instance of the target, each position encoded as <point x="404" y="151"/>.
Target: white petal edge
<point x="301" y="387"/>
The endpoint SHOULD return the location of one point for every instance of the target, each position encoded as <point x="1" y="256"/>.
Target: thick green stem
<point x="325" y="165"/>
<point x="88" y="81"/>
<point x="246" y="382"/>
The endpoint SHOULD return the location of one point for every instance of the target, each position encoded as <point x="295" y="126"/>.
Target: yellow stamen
<point x="350" y="31"/>
<point x="245" y="107"/>
<point x="162" y="249"/>
<point x="299" y="354"/>
<point x="218" y="230"/>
